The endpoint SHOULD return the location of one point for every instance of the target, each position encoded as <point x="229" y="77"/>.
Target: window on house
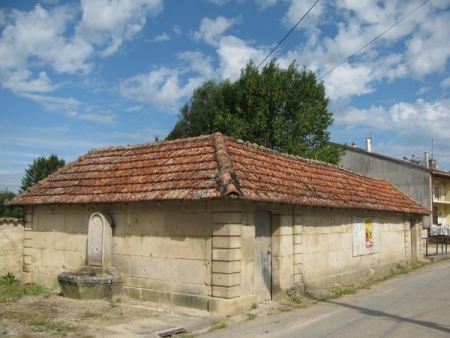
<point x="437" y="195"/>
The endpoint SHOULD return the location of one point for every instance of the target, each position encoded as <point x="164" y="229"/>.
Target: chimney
<point x="369" y="145"/>
<point x="426" y="159"/>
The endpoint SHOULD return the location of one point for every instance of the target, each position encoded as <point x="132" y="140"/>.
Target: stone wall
<point x="11" y="246"/>
<point x="323" y="246"/>
<point x="202" y="253"/>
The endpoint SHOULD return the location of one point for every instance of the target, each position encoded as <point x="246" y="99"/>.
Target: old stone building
<point x="216" y="223"/>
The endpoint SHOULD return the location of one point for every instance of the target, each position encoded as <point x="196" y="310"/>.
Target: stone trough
<point x="90" y="283"/>
<point x="98" y="279"/>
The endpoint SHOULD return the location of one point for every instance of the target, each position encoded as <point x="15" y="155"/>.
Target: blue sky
<point x="78" y="75"/>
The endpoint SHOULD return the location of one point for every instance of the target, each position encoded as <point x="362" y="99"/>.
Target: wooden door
<point x="263" y="256"/>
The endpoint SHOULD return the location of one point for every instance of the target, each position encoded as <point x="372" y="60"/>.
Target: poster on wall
<point x="365" y="235"/>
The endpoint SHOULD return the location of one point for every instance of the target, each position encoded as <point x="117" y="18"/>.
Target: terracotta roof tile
<point x="212" y="167"/>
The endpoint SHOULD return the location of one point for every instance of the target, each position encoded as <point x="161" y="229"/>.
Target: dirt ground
<point x="52" y="315"/>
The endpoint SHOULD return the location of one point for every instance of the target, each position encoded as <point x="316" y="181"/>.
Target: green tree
<point x="40" y="169"/>
<point x="282" y="109"/>
<point x="5" y="209"/>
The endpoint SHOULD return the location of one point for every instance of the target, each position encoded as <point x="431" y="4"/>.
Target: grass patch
<point x="251" y="316"/>
<point x="11" y="288"/>
<point x="58" y="328"/>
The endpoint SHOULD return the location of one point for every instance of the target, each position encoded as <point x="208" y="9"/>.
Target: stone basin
<point x="90" y="282"/>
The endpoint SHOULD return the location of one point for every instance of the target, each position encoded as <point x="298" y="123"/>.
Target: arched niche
<point x="99" y="244"/>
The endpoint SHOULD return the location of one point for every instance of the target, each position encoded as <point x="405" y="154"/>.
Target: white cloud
<point x="445" y="83"/>
<point x="34" y="34"/>
<point x="423" y="90"/>
<point x="162" y="37"/>
<point x="161" y="87"/>
<point x="234" y="54"/>
<point x="177" y="29"/>
<point x="166" y="88"/>
<point x="197" y="63"/>
<point x="428" y="50"/>
<point x="99" y="118"/>
<point x="416" y="46"/>
<point x="52" y="103"/>
<point x="21" y="81"/>
<point x="347" y="81"/>
<point x="219" y="2"/>
<point x="134" y="108"/>
<point x="264" y="4"/>
<point x="298" y="8"/>
<point x="107" y="24"/>
<point x="373" y="118"/>
<point x="423" y="117"/>
<point x="212" y="30"/>
<point x="420" y="119"/>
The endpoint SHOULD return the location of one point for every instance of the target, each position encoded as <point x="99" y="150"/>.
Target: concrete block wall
<point x="11" y="247"/>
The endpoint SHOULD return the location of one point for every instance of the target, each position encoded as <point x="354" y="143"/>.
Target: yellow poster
<point x="369" y="231"/>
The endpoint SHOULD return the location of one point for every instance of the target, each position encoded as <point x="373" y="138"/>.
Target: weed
<point x="112" y="303"/>
<point x="40" y="323"/>
<point x="254" y="306"/>
<point x="7" y="279"/>
<point x="296" y="299"/>
<point x="342" y="292"/>
<point x="251" y="316"/>
<point x="219" y="325"/>
<point x="337" y="292"/>
<point x="286" y="308"/>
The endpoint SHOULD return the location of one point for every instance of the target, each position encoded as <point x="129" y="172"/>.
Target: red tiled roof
<point x="212" y="167"/>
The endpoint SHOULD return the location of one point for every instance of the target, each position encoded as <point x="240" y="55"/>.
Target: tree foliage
<point x="5" y="209"/>
<point x="282" y="109"/>
<point x="40" y="169"/>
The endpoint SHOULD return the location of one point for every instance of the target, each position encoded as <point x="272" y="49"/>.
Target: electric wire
<point x="279" y="43"/>
<point x="374" y="39"/>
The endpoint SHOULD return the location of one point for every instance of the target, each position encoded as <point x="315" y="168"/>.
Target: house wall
<point x="326" y="246"/>
<point x="11" y="247"/>
<point x="441" y="200"/>
<point x="413" y="181"/>
<point x="202" y="254"/>
<point x="196" y="254"/>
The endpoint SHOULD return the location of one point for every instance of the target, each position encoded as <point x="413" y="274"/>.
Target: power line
<point x="376" y="38"/>
<point x="279" y="43"/>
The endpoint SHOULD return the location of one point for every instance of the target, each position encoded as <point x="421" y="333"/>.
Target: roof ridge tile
<point x="226" y="178"/>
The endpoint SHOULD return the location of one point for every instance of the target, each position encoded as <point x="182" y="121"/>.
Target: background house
<point x="420" y="180"/>
<point x="216" y="223"/>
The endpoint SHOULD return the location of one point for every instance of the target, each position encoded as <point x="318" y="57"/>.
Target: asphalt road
<point x="412" y="305"/>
